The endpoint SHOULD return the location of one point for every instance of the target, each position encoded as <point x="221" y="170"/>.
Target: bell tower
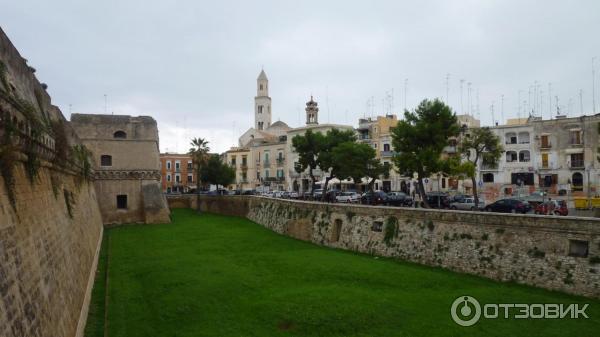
<point x="262" y="103"/>
<point x="312" y="112"/>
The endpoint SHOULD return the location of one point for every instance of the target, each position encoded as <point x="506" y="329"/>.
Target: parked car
<point x="293" y="195"/>
<point x="508" y="206"/>
<point x="374" y="198"/>
<point x="348" y="197"/>
<point x="278" y="194"/>
<point x="249" y="192"/>
<point x="399" y="199"/>
<point x="457" y="198"/>
<point x="318" y="193"/>
<point x="556" y="207"/>
<point x="437" y="200"/>
<point x="467" y="204"/>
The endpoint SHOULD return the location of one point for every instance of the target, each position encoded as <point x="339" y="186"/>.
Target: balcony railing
<point x="267" y="163"/>
<point x="577" y="164"/>
<point x="387" y="153"/>
<point x="244" y="166"/>
<point x="488" y="167"/>
<point x="280" y="161"/>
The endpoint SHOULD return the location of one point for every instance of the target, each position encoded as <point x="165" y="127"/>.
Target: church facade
<point x="264" y="159"/>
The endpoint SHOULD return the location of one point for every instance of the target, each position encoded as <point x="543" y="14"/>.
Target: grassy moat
<point x="212" y="275"/>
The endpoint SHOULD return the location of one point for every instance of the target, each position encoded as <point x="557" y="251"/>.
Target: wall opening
<point x="377" y="226"/>
<point x="122" y="201"/>
<point x="578" y="248"/>
<point x="105" y="160"/>
<point x="337" y="229"/>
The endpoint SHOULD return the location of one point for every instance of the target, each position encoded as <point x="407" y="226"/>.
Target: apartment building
<point x="177" y="173"/>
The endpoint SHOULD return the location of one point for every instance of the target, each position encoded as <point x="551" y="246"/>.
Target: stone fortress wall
<point x="557" y="253"/>
<point x="50" y="223"/>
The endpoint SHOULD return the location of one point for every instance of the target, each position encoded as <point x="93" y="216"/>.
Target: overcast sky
<point x="192" y="65"/>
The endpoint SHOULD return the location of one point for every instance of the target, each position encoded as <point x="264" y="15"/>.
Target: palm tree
<point x="199" y="154"/>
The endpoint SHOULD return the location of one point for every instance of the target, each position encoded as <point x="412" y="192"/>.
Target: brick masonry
<point x="528" y="249"/>
<point x="47" y="258"/>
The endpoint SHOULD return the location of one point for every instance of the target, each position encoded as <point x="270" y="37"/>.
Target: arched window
<point x="105" y="160"/>
<point x="488" y="178"/>
<point x="524" y="156"/>
<point x="511" y="156"/>
<point x="577" y="181"/>
<point x="120" y="135"/>
<point x="524" y="137"/>
<point x="511" y="138"/>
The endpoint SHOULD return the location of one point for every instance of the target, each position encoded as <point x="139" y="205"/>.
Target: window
<point x="189" y="165"/>
<point x="190" y="178"/>
<point x="377" y="226"/>
<point x="375" y="145"/>
<point x="544" y="160"/>
<point x="545" y="142"/>
<point x="122" y="201"/>
<point x="511" y="138"/>
<point x="524" y="156"/>
<point x="244" y="160"/>
<point x="169" y="177"/>
<point x="577" y="160"/>
<point x="233" y="159"/>
<point x="177" y="178"/>
<point x="261" y="87"/>
<point x="522" y="179"/>
<point x="169" y="165"/>
<point x="575" y="137"/>
<point x="105" y="160"/>
<point x="511" y="156"/>
<point x="266" y="173"/>
<point x="177" y="166"/>
<point x="488" y="178"/>
<point x="260" y="125"/>
<point x="244" y="176"/>
<point x="577" y="181"/>
<point x="260" y="109"/>
<point x="386" y="147"/>
<point x="523" y="137"/>
<point x="120" y="135"/>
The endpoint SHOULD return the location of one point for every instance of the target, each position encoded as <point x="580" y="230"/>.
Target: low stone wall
<point x="558" y="253"/>
<point x="49" y="243"/>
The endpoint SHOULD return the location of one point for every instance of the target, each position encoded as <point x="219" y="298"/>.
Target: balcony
<point x="244" y="166"/>
<point x="488" y="167"/>
<point x="387" y="153"/>
<point x="280" y="161"/>
<point x="577" y="164"/>
<point x="267" y="163"/>
<point x="546" y="146"/>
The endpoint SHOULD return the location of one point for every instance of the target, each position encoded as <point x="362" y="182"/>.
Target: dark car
<point x="437" y="200"/>
<point x="331" y="195"/>
<point x="374" y="198"/>
<point x="508" y="206"/>
<point x="399" y="199"/>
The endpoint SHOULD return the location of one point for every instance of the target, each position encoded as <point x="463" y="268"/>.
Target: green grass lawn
<point x="211" y="275"/>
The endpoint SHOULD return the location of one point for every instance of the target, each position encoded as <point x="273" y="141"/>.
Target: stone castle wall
<point x="529" y="249"/>
<point x="47" y="257"/>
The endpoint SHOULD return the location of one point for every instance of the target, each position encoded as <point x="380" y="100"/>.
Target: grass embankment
<point x="211" y="275"/>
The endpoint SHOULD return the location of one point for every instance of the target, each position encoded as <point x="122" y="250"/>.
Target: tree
<point x="199" y="154"/>
<point x="420" y="138"/>
<point x="216" y="172"/>
<point x="357" y="160"/>
<point x="482" y="144"/>
<point x="308" y="147"/>
<point x="325" y="158"/>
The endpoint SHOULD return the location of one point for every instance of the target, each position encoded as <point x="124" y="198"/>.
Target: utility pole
<point x="469" y="100"/>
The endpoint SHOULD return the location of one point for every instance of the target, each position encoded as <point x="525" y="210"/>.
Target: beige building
<point x="125" y="159"/>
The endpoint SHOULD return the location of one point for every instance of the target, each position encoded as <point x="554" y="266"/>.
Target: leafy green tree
<point x="420" y="138"/>
<point x="199" y="154"/>
<point x="357" y="160"/>
<point x="216" y="172"/>
<point x="325" y="158"/>
<point x="481" y="144"/>
<point x="308" y="146"/>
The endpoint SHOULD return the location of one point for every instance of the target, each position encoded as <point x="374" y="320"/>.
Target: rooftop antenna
<point x="105" y="105"/>
<point x="392" y="102"/>
<point x="477" y="107"/>
<point x="405" y="89"/>
<point x="593" y="86"/>
<point x="462" y="106"/>
<point x="541" y="102"/>
<point x="492" y="111"/>
<point x="535" y="97"/>
<point x="557" y="106"/>
<point x="581" y="102"/>
<point x="549" y="100"/>
<point x="502" y="109"/>
<point x="447" y="87"/>
<point x="469" y="101"/>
